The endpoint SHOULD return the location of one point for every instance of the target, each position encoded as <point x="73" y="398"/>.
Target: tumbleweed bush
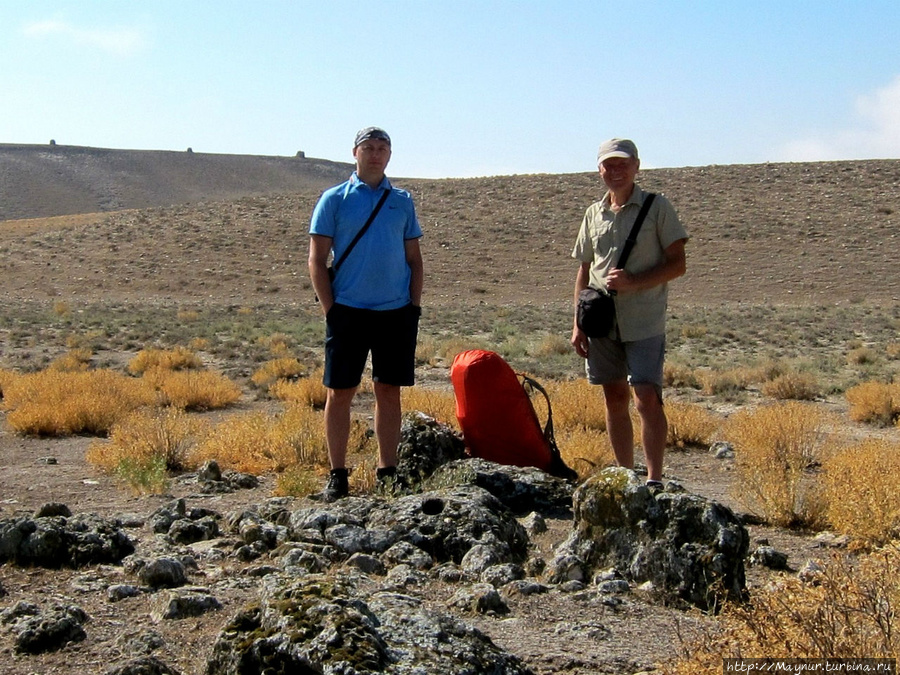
<point x="177" y="358"/>
<point x="690" y="425"/>
<point x="848" y="610"/>
<point x="144" y="446"/>
<point x="59" y="403"/>
<point x="860" y="490"/>
<point x="774" y="446"/>
<point x="308" y="391"/>
<point x="577" y="403"/>
<point x="874" y="403"/>
<point x="276" y="370"/>
<point x="193" y="389"/>
<point x="437" y="403"/>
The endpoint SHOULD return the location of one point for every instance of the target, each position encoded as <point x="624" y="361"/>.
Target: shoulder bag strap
<point x="362" y="230"/>
<point x="632" y="237"/>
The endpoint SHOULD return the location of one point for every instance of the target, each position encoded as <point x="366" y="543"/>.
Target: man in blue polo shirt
<point x="372" y="305"/>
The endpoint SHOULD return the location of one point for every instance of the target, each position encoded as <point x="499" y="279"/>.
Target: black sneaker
<point x="388" y="482"/>
<point x="655" y="487"/>
<point x="337" y="487"/>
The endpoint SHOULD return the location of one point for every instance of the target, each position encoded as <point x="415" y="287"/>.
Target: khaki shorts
<point x="641" y="362"/>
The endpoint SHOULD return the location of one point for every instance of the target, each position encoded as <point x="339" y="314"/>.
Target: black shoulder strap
<point x="632" y="237"/>
<point x="558" y="467"/>
<point x="363" y="230"/>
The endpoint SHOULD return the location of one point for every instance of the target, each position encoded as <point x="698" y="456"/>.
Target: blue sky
<point x="465" y="88"/>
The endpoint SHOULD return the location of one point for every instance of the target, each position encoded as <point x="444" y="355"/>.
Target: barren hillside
<point x="819" y="233"/>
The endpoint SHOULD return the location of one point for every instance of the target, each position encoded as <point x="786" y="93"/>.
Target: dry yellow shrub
<point x="145" y="445"/>
<point x="717" y="382"/>
<point x="874" y="402"/>
<point x="552" y="345"/>
<point x="436" y="403"/>
<point x="272" y="371"/>
<point x="680" y="376"/>
<point x="308" y="391"/>
<point x="774" y="446"/>
<point x="577" y="404"/>
<point x="860" y="490"/>
<point x="690" y="425"/>
<point x="193" y="389"/>
<point x="75" y="360"/>
<point x="587" y="451"/>
<point x="260" y="443"/>
<point x="58" y="403"/>
<point x="849" y="612"/>
<point x="179" y="358"/>
<point x="792" y="386"/>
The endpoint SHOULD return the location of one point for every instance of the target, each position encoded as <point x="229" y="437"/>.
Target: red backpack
<point x="498" y="421"/>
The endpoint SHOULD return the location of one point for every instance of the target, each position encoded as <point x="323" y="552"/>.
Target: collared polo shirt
<point x="639" y="314"/>
<point x="375" y="275"/>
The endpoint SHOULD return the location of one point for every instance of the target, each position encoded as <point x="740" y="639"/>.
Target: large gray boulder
<point x="59" y="541"/>
<point x="425" y="444"/>
<point x="443" y="524"/>
<point x="319" y="624"/>
<point x="523" y="490"/>
<point x="691" y="549"/>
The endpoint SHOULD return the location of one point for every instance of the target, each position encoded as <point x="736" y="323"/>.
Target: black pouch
<point x="596" y="312"/>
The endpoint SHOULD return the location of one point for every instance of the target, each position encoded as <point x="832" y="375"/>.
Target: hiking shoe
<point x="389" y="483"/>
<point x="655" y="487"/>
<point x="337" y="487"/>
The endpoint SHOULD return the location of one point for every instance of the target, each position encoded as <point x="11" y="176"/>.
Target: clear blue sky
<point x="464" y="87"/>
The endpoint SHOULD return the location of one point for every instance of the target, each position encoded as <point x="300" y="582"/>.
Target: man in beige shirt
<point x="629" y="361"/>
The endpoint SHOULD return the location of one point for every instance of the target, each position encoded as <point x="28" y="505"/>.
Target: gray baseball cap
<point x="369" y="133"/>
<point x="616" y="147"/>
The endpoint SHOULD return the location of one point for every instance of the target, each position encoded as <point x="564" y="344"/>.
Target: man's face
<point x="619" y="172"/>
<point x="372" y="156"/>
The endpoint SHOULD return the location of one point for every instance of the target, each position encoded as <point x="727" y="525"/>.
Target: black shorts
<point x="390" y="335"/>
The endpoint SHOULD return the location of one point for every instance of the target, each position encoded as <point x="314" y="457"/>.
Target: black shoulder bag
<point x="596" y="311"/>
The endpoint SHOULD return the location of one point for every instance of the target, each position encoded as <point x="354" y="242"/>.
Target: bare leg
<point x="654" y="428"/>
<point x="337" y="425"/>
<point x="387" y="423"/>
<point x="618" y="422"/>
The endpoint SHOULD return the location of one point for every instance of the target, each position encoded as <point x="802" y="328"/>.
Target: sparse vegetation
<point x="776" y="446"/>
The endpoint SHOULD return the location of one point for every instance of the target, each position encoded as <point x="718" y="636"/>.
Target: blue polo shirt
<point x="375" y="275"/>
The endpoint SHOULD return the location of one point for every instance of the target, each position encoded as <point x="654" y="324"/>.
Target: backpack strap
<point x="558" y="467"/>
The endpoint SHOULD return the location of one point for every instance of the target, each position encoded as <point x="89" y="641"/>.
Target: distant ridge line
<point x="38" y="181"/>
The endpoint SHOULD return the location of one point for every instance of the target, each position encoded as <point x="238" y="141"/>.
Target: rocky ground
<point x="805" y="235"/>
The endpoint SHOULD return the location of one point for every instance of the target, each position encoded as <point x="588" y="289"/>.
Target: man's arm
<point x="319" y="248"/>
<point x="579" y="339"/>
<point x="417" y="269"/>
<point x="672" y="266"/>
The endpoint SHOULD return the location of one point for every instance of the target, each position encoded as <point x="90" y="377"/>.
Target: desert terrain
<point x="128" y="249"/>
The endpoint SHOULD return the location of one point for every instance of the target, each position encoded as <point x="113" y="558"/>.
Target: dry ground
<point x="807" y="237"/>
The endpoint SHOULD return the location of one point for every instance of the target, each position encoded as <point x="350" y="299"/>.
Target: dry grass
<point x="874" y="403"/>
<point x="61" y="403"/>
<point x="775" y="446"/>
<point x="577" y="404"/>
<point x="193" y="389"/>
<point x="690" y="425"/>
<point x="271" y="372"/>
<point x="860" y="490"/>
<point x="308" y="391"/>
<point x="177" y="358"/>
<point x="848" y="611"/>
<point x="437" y="403"/>
<point x="146" y="445"/>
<point x="792" y="386"/>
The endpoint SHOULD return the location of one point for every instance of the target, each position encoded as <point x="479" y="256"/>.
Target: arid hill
<point x="37" y="181"/>
<point x="222" y="228"/>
